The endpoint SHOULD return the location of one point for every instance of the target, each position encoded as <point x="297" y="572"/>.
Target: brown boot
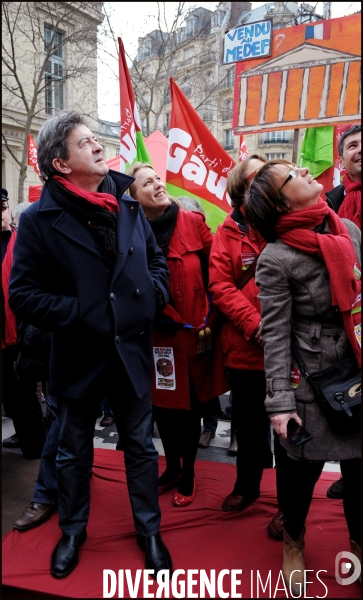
<point x="356" y="550"/>
<point x="293" y="564"/>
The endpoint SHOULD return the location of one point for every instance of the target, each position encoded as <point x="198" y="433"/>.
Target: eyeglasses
<point x="292" y="175"/>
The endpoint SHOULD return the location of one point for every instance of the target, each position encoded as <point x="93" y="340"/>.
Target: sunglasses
<point x="292" y="175"/>
<point x="5" y="206"/>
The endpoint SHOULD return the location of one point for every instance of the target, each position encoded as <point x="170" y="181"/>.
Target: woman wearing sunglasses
<point x="309" y="280"/>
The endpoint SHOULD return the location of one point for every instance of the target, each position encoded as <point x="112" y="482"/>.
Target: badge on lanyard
<point x="164" y="368"/>
<point x="247" y="259"/>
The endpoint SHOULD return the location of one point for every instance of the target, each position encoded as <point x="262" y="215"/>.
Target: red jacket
<point x="233" y="249"/>
<point x="191" y="238"/>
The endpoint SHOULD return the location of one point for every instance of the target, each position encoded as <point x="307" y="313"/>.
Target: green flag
<point x="317" y="150"/>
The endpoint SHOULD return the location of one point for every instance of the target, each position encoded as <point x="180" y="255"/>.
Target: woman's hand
<point x="279" y="423"/>
<point x="258" y="336"/>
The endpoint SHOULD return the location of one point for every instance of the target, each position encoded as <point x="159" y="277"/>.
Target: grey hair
<point x="52" y="140"/>
<point x="189" y="203"/>
<point x="18" y="209"/>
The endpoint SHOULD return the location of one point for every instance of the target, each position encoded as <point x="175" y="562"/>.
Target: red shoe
<point x="168" y="486"/>
<point x="180" y="500"/>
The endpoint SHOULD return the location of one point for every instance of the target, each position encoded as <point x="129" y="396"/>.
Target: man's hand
<point x="279" y="423"/>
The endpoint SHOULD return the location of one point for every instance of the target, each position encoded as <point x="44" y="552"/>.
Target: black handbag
<point x="338" y="390"/>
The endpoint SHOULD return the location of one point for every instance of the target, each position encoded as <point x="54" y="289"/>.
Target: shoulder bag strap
<point x="299" y="359"/>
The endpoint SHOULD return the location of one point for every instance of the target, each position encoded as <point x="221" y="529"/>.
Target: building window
<point x="186" y="89"/>
<point x="272" y="155"/>
<point x="228" y="139"/>
<point x="276" y="137"/>
<point x="207" y="112"/>
<point x="54" y="71"/>
<point x="227" y="111"/>
<point x="191" y="26"/>
<point x="228" y="81"/>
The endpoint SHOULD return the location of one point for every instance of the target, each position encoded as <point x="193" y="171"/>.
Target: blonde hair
<point x="136" y="166"/>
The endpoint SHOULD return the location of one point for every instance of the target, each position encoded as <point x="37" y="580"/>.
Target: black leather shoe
<point x="65" y="555"/>
<point x="157" y="554"/>
<point x="11" y="442"/>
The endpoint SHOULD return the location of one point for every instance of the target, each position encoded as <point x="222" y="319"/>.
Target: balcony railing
<point x="207" y="57"/>
<point x="274" y="140"/>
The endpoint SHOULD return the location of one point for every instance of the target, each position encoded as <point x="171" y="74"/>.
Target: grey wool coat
<point x="295" y="298"/>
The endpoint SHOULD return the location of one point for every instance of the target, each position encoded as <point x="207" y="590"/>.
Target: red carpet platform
<point x="199" y="537"/>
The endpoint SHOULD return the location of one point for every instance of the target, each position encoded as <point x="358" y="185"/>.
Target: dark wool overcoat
<point x="296" y="299"/>
<point x="60" y="283"/>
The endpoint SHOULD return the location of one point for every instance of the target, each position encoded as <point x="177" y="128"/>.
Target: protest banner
<point x="197" y="165"/>
<point x="132" y="145"/>
<point x="312" y="79"/>
<point x="33" y="154"/>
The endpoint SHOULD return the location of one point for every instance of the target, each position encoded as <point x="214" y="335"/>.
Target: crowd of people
<point x="178" y="317"/>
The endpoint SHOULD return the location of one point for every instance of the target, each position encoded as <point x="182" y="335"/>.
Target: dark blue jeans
<point x="46" y="489"/>
<point x="210" y="423"/>
<point x="133" y="418"/>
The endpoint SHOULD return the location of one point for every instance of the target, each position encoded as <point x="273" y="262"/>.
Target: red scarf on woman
<point x="351" y="208"/>
<point x="10" y="321"/>
<point x="102" y="199"/>
<point x="337" y="251"/>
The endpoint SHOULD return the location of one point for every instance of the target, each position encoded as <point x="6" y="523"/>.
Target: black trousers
<point x="300" y="479"/>
<point x="253" y="430"/>
<point x="21" y="404"/>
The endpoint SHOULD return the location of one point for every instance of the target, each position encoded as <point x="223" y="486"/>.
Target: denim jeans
<point x="46" y="489"/>
<point x="210" y="423"/>
<point x="133" y="418"/>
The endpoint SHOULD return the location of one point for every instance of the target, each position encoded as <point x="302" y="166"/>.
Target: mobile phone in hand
<point x="297" y="434"/>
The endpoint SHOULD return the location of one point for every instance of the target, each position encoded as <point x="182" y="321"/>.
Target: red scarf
<point x="101" y="199"/>
<point x="337" y="251"/>
<point x="10" y="321"/>
<point x="351" y="208"/>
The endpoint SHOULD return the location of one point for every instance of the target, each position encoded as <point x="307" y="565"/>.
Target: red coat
<point x="191" y="237"/>
<point x="231" y="249"/>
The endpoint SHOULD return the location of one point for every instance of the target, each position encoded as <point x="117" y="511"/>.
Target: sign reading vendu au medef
<point x="252" y="40"/>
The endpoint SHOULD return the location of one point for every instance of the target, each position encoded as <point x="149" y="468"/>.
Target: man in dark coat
<point x="347" y="196"/>
<point x="87" y="268"/>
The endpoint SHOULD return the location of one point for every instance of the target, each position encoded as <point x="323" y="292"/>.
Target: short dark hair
<point x="52" y="140"/>
<point x="265" y="201"/>
<point x="237" y="182"/>
<point x="353" y="129"/>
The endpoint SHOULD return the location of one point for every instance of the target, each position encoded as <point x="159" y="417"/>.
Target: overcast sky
<point x="131" y="20"/>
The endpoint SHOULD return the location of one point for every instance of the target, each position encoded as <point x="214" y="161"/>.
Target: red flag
<point x="32" y="154"/>
<point x="132" y="145"/>
<point x="197" y="164"/>
<point x="243" y="152"/>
